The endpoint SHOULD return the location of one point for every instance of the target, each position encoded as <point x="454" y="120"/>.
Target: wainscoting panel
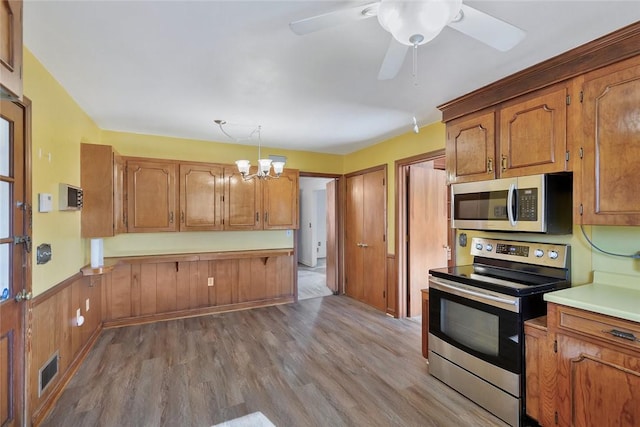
<point x="55" y="331"/>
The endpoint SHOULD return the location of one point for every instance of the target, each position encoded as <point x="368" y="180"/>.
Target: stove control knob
<point x="553" y="254"/>
<point x="489" y="247"/>
<point x="479" y="246"/>
<point x="539" y="253"/>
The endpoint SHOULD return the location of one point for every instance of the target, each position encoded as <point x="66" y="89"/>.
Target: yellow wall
<point x="431" y="138"/>
<point x="59" y="125"/>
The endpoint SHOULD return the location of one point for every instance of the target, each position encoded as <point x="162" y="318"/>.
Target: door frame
<point x="401" y="167"/>
<point x="340" y="207"/>
<point x="25" y="352"/>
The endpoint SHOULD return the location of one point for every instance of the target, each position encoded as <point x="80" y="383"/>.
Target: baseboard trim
<point x="195" y="312"/>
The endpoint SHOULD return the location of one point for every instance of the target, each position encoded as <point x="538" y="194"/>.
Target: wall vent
<point x="47" y="373"/>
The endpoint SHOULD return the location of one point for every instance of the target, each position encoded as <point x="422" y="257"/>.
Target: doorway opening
<point x="423" y="227"/>
<point x="317" y="237"/>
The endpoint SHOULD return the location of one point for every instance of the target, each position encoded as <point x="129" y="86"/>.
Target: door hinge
<point x="383" y="180"/>
<point x="566" y="157"/>
<point x="568" y="99"/>
<point x="555" y="417"/>
<point x="581" y="152"/>
<point x="581" y="96"/>
<point x="580" y="209"/>
<point x="384" y="294"/>
<point x="384" y="237"/>
<point x="23" y="239"/>
<point x="555" y="346"/>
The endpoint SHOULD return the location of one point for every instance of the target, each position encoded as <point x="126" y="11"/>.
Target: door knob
<point x="23" y="295"/>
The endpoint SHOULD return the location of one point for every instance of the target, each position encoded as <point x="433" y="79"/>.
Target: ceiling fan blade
<point x="492" y="31"/>
<point x="335" y="18"/>
<point x="393" y="60"/>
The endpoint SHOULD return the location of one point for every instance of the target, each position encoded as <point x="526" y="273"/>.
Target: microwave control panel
<point x="528" y="204"/>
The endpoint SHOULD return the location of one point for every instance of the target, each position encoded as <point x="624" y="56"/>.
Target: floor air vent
<point x="47" y="373"/>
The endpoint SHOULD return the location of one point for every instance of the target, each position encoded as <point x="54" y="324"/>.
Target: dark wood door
<point x="427" y="229"/>
<point x="354" y="255"/>
<point x="610" y="178"/>
<point x="200" y="197"/>
<point x="14" y="262"/>
<point x="365" y="238"/>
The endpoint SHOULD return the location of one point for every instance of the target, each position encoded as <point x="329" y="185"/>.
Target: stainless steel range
<point x="477" y="314"/>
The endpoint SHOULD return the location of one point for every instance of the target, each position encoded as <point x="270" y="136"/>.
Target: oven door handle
<point x="477" y="294"/>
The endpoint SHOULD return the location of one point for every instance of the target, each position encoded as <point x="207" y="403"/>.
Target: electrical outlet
<point x="210" y="281"/>
<point x="86" y="305"/>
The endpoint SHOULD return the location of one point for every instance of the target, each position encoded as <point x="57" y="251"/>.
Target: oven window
<point x="471" y="327"/>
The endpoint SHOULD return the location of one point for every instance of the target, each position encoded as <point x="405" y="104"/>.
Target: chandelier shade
<point x="417" y="22"/>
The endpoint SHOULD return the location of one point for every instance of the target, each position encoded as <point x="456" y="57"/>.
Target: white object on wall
<point x="97" y="253"/>
<point x="45" y="202"/>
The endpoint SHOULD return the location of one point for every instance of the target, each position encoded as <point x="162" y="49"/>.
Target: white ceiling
<point x="171" y="67"/>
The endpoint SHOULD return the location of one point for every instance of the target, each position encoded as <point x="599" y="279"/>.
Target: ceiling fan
<point x="416" y="22"/>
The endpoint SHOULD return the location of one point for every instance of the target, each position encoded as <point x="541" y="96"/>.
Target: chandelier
<point x="264" y="165"/>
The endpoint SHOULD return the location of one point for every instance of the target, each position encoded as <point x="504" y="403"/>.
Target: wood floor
<point x="312" y="281"/>
<point x="320" y="362"/>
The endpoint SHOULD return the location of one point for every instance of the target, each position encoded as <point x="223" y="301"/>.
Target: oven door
<point x="479" y="322"/>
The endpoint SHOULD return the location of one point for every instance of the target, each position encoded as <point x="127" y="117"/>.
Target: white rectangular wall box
<point x="45" y="202"/>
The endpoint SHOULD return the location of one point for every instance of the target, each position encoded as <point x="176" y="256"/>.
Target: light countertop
<point x="610" y="293"/>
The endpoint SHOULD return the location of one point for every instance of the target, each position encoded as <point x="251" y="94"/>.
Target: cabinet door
<point x="611" y="113"/>
<point x="470" y="148"/>
<point x="96" y="179"/>
<point x="200" y="197"/>
<point x="151" y="194"/>
<point x="280" y="201"/>
<point x="119" y="187"/>
<point x="533" y="134"/>
<point x="242" y="201"/>
<point x="11" y="47"/>
<point x="597" y="386"/>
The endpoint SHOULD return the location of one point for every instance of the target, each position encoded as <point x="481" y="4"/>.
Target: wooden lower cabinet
<point x="540" y="381"/>
<point x="149" y="289"/>
<point x="598" y="381"/>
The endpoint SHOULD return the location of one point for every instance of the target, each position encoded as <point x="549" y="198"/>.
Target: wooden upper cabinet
<point x="470" y="148"/>
<point x="11" y="47"/>
<point x="533" y="134"/>
<point x="242" y="201"/>
<point x="280" y="201"/>
<point x="102" y="181"/>
<point x="151" y="192"/>
<point x="611" y="117"/>
<point x="201" y="193"/>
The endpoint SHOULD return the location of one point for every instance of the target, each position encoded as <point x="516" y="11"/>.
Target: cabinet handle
<point x="257" y="216"/>
<point x="170" y="217"/>
<point x="621" y="334"/>
<point x="182" y="217"/>
<point x="489" y="164"/>
<point x="266" y="217"/>
<point x="504" y="163"/>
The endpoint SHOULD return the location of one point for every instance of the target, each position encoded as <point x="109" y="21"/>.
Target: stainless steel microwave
<point x="535" y="203"/>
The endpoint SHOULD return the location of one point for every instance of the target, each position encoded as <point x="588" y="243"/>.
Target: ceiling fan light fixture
<point x="405" y="19"/>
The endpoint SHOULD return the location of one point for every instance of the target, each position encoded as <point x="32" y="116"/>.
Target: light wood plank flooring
<point x="320" y="362"/>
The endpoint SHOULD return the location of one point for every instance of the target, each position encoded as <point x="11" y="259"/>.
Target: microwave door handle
<point x="510" y="213"/>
